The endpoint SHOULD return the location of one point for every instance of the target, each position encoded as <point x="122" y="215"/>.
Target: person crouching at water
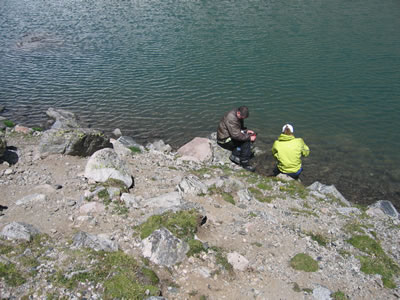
<point x="233" y="136"/>
<point x="287" y="150"/>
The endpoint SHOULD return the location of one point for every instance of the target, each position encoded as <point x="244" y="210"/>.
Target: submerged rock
<point x="163" y="248"/>
<point x="19" y="231"/>
<point x="63" y="119"/>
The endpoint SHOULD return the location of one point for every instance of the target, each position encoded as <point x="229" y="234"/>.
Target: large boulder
<point x="163" y="248"/>
<point x="77" y="142"/>
<point x="63" y="119"/>
<point x="104" y="165"/>
<point x="386" y="207"/>
<point x="198" y="149"/>
<point x="3" y="146"/>
<point x="19" y="231"/>
<point x="96" y="242"/>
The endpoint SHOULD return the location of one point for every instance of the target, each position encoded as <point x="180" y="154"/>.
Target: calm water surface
<point x="170" y="69"/>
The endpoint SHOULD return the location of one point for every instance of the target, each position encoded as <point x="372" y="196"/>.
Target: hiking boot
<point x="245" y="165"/>
<point x="235" y="159"/>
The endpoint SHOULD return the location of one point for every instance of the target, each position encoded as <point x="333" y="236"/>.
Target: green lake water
<point x="170" y="69"/>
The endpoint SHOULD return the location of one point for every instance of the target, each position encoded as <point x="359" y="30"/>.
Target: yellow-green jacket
<point x="288" y="150"/>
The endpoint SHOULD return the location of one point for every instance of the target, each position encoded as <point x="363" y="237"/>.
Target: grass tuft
<point x="304" y="262"/>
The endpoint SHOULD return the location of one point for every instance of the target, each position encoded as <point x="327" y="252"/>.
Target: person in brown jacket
<point x="233" y="136"/>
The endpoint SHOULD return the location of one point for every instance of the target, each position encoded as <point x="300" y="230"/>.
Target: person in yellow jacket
<point x="287" y="151"/>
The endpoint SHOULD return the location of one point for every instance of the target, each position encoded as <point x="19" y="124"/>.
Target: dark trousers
<point x="239" y="149"/>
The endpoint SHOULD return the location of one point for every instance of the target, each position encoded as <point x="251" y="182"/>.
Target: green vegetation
<point x="339" y="295"/>
<point x="257" y="244"/>
<point x="265" y="186"/>
<point x="37" y="129"/>
<point x="221" y="259"/>
<point x="135" y="149"/>
<point x="225" y="196"/>
<point x="120" y="274"/>
<point x="195" y="247"/>
<point x="319" y="238"/>
<point x="9" y="123"/>
<point x="344" y="253"/>
<point x="259" y="195"/>
<point x="377" y="262"/>
<point x="354" y="227"/>
<point x="104" y="196"/>
<point x="304" y="262"/>
<point x="182" y="224"/>
<point x="294" y="188"/>
<point x="303" y="212"/>
<point x="11" y="275"/>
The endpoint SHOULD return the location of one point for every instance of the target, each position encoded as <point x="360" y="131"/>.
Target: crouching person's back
<point x="288" y="150"/>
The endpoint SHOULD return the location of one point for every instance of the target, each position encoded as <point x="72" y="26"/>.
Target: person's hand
<point x="250" y="131"/>
<point x="253" y="138"/>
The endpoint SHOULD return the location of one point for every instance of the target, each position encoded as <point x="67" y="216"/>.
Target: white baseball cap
<point x="288" y="126"/>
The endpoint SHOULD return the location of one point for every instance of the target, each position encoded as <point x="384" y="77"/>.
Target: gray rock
<point x="321" y="293"/>
<point x="191" y="184"/>
<point x="328" y="190"/>
<point x="284" y="177"/>
<point x="244" y="195"/>
<point x="3" y="146"/>
<point x="387" y="207"/>
<point x="163" y="248"/>
<point x="92" y="207"/>
<point x="160" y="146"/>
<point x="113" y="192"/>
<point x="95" y="242"/>
<point x="347" y="211"/>
<point x="122" y="151"/>
<point x="19" y="231"/>
<point x="2" y="108"/>
<point x="63" y="119"/>
<point x="105" y="164"/>
<point x="164" y="201"/>
<point x="198" y="149"/>
<point x="156" y="298"/>
<point x="117" y="132"/>
<point x="76" y="141"/>
<point x="237" y="261"/>
<point x="31" y="198"/>
<point x="130" y="200"/>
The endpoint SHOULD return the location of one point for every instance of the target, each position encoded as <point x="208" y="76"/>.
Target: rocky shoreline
<point x="89" y="217"/>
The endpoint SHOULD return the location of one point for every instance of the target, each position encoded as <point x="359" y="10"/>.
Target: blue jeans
<point x="293" y="175"/>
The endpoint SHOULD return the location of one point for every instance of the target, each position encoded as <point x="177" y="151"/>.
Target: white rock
<point x="130" y="200"/>
<point x="92" y="207"/>
<point x="237" y="261"/>
<point x="105" y="164"/>
<point x="198" y="150"/>
<point x="31" y="198"/>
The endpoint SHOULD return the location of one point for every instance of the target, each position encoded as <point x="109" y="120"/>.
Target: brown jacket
<point x="231" y="126"/>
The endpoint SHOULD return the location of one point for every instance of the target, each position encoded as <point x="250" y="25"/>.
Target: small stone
<point x="8" y="172"/>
